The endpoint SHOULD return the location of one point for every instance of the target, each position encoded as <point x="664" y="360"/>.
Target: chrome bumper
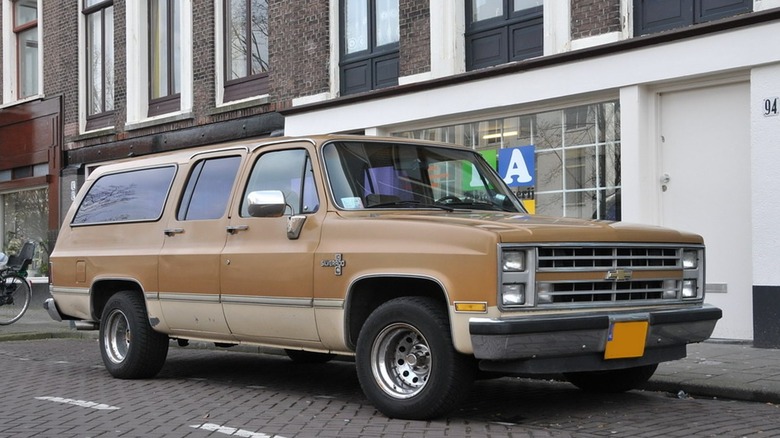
<point x="51" y="308"/>
<point x="555" y="343"/>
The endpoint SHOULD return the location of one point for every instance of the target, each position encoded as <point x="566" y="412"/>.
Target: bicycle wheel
<point x="15" y="296"/>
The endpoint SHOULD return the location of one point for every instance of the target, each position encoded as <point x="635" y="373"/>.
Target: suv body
<point x="415" y="257"/>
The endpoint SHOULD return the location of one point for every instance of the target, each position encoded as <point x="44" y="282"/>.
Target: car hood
<point x="518" y="228"/>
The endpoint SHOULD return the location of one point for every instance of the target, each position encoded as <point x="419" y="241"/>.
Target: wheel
<point x="15" y="298"/>
<point x="131" y="349"/>
<point x="308" y="356"/>
<point x="406" y="363"/>
<point x="613" y="380"/>
<point x="449" y="199"/>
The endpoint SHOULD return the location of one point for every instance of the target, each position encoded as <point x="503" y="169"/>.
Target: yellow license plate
<point x="626" y="339"/>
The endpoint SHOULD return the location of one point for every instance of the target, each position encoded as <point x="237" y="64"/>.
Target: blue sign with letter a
<point x="517" y="166"/>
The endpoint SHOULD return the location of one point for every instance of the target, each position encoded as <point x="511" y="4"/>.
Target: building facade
<point x="661" y="113"/>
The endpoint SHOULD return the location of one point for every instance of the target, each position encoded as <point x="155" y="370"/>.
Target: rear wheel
<point x="613" y="380"/>
<point x="406" y="363"/>
<point x="15" y="296"/>
<point x="130" y="348"/>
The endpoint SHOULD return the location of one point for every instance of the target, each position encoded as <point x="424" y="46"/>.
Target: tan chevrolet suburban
<point x="414" y="257"/>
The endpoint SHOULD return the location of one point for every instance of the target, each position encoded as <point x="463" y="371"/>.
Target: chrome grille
<point x="605" y="259"/>
<point x="574" y="258"/>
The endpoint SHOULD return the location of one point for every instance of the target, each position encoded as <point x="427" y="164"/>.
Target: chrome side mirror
<point x="266" y="203"/>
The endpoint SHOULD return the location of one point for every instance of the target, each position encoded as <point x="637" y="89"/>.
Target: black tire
<point x="15" y="296"/>
<point x="406" y="363"/>
<point x="612" y="381"/>
<point x="130" y="348"/>
<point x="302" y="356"/>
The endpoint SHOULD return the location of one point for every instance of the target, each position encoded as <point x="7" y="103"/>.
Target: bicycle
<point x="15" y="289"/>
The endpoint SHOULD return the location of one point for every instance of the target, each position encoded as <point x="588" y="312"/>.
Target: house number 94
<point x="771" y="106"/>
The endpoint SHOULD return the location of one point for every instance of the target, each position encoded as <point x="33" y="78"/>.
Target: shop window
<point x="577" y="155"/>
<point x="370" y="34"/>
<point x="99" y="66"/>
<point x="24" y="217"/>
<point x="653" y="16"/>
<point x="245" y="48"/>
<point x="501" y="31"/>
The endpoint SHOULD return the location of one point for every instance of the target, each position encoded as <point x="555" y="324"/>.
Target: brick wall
<point x="415" y="44"/>
<point x="60" y="58"/>
<point x="594" y="17"/>
<point x="299" y="48"/>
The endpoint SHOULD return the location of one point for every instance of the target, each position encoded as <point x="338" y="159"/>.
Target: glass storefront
<point x="576" y="151"/>
<point x="24" y="217"/>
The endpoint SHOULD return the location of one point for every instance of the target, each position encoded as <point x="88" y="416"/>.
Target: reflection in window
<point x="164" y="56"/>
<point x="26" y="31"/>
<point x="246" y="48"/>
<point x="99" y="62"/>
<point x="289" y="172"/>
<point x="126" y="197"/>
<point x="577" y="155"/>
<point x="24" y="217"/>
<point x="208" y="189"/>
<point x="370" y="35"/>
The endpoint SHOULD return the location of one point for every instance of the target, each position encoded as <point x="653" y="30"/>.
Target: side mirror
<point x="266" y="203"/>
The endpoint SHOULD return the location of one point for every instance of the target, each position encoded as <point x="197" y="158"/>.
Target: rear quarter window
<point x="133" y="196"/>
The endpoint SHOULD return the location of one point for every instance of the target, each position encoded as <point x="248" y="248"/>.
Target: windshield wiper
<point x="411" y="204"/>
<point x="478" y="205"/>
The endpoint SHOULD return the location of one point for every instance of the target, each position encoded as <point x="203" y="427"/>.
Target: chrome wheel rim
<point x="401" y="361"/>
<point x="117" y="336"/>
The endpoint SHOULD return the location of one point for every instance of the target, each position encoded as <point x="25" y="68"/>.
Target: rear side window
<point x="208" y="189"/>
<point x="133" y="196"/>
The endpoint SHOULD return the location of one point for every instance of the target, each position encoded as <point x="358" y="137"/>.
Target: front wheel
<point x="15" y="296"/>
<point x="612" y="381"/>
<point x="130" y="348"/>
<point x="406" y="362"/>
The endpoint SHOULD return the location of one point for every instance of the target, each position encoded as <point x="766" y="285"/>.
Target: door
<point x="190" y="258"/>
<point x="267" y="288"/>
<point x="705" y="188"/>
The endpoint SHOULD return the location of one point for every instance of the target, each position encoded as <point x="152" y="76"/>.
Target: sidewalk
<point x="721" y="369"/>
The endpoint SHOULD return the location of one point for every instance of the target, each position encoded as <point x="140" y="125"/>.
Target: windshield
<point x="398" y="175"/>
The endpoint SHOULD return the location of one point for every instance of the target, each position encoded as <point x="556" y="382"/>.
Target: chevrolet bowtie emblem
<point x="338" y="263"/>
<point x="619" y="275"/>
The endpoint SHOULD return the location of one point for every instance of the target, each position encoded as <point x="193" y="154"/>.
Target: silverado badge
<point x="338" y="264"/>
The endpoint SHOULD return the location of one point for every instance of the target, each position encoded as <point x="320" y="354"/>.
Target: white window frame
<point x="137" y="55"/>
<point x="10" y="65"/>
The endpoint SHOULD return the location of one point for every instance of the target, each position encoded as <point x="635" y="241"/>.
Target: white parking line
<point x="232" y="431"/>
<point x="81" y="403"/>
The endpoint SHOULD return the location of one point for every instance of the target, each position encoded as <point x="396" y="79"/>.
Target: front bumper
<point x="555" y="343"/>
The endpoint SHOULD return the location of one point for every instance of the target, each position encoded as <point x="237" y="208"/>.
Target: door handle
<point x="233" y="229"/>
<point x="171" y="231"/>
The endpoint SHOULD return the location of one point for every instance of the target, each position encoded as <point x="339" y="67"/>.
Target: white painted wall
<point x="765" y="145"/>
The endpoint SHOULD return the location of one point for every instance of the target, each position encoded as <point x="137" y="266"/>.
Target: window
<point x="370" y="33"/>
<point x="24" y="217"/>
<point x="501" y="31"/>
<point x="164" y="57"/>
<point x="577" y="156"/>
<point x="25" y="17"/>
<point x="658" y="15"/>
<point x="99" y="68"/>
<point x="208" y="189"/>
<point x="246" y="48"/>
<point x="126" y="197"/>
<point x="289" y="172"/>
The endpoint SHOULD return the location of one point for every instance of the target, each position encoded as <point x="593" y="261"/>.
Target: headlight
<point x="690" y="259"/>
<point x="513" y="261"/>
<point x="513" y="294"/>
<point x="689" y="289"/>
